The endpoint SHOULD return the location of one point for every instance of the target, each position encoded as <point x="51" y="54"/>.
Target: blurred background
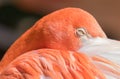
<point x="16" y="16"/>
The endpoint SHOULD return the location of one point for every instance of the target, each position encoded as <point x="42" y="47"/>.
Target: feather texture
<point x="105" y="54"/>
<point x="52" y="64"/>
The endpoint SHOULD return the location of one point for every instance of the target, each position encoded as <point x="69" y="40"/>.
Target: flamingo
<point x="66" y="44"/>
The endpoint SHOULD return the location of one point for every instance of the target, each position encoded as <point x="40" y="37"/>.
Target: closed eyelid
<point x="81" y="31"/>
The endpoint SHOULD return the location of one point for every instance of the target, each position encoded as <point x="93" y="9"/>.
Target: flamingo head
<point x="63" y="29"/>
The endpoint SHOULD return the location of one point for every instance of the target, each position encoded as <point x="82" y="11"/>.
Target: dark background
<point x="16" y="16"/>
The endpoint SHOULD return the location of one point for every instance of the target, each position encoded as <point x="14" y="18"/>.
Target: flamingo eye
<point x="81" y="32"/>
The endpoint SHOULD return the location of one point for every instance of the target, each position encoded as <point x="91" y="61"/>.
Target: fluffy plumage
<point x="72" y="56"/>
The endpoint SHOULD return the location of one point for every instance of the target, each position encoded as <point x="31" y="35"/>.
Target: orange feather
<point x="55" y="31"/>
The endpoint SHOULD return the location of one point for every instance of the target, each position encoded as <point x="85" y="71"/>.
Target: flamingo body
<point x="62" y="50"/>
<point x="55" y="31"/>
<point x="51" y="64"/>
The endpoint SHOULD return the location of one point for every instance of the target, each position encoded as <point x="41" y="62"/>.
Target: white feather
<point x="44" y="77"/>
<point x="107" y="49"/>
